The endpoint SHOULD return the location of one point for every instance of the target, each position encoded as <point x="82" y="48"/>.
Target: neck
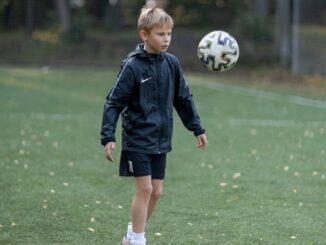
<point x="148" y="50"/>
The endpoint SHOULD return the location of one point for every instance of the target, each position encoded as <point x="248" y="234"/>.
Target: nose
<point x="166" y="38"/>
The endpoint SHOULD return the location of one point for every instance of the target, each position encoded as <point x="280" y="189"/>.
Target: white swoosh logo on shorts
<point x="145" y="80"/>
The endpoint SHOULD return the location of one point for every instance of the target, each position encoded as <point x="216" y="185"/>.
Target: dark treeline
<point x="259" y="25"/>
<point x="114" y="14"/>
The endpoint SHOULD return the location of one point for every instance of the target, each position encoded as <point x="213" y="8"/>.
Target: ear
<point x="143" y="35"/>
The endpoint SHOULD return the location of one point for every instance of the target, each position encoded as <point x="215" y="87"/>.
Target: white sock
<point x="138" y="239"/>
<point x="129" y="231"/>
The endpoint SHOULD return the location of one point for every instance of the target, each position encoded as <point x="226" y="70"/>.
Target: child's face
<point x="157" y="40"/>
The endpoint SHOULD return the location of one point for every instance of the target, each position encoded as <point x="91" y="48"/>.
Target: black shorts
<point x="140" y="164"/>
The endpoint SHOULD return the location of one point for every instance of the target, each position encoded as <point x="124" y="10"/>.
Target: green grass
<point x="254" y="184"/>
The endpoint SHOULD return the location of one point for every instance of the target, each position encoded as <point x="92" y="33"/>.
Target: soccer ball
<point x="218" y="51"/>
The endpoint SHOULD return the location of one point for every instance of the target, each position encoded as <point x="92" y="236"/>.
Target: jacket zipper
<point x="160" y="106"/>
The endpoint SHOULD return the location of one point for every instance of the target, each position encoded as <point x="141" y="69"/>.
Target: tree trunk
<point x="29" y="17"/>
<point x="64" y="14"/>
<point x="114" y="15"/>
<point x="261" y="7"/>
<point x="284" y="31"/>
<point x="295" y="37"/>
<point x="8" y="15"/>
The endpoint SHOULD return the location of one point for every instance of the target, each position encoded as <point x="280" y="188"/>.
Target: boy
<point x="147" y="88"/>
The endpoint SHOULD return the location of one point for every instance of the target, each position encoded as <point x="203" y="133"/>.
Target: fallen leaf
<point x="253" y="132"/>
<point x="236" y="175"/>
<point x="297" y="174"/>
<point x="223" y="184"/>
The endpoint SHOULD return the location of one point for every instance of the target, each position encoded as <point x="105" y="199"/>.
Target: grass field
<point x="260" y="181"/>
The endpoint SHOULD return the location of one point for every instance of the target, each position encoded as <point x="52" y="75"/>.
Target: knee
<point x="156" y="194"/>
<point x="146" y="189"/>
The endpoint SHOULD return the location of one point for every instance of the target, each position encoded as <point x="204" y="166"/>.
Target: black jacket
<point x="146" y="89"/>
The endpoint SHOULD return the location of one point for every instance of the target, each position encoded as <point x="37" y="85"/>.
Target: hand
<point x="108" y="148"/>
<point x="202" y="141"/>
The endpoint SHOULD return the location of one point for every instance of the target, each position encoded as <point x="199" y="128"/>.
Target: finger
<point x="108" y="151"/>
<point x="204" y="141"/>
<point x="110" y="157"/>
<point x="200" y="143"/>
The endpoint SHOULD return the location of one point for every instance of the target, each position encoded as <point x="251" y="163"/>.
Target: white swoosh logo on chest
<point x="145" y="80"/>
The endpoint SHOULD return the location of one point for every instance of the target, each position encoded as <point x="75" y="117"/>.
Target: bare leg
<point x="155" y="196"/>
<point x="140" y="203"/>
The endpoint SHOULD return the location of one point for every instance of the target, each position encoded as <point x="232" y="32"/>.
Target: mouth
<point x="165" y="46"/>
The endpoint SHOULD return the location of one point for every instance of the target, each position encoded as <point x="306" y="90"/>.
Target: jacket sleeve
<point x="116" y="101"/>
<point x="184" y="104"/>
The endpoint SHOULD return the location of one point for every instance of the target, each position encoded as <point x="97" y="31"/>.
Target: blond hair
<point x="153" y="17"/>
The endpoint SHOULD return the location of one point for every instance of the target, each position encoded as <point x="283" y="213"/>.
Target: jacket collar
<point x="140" y="52"/>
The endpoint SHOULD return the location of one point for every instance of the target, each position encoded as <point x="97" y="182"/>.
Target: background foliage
<point x="102" y="32"/>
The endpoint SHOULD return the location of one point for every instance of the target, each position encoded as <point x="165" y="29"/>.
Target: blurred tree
<point x="64" y="14"/>
<point x="79" y="22"/>
<point x="114" y="19"/>
<point x="8" y="14"/>
<point x="202" y="13"/>
<point x="261" y="7"/>
<point x="284" y="32"/>
<point x="253" y="22"/>
<point x="295" y="55"/>
<point x="97" y="9"/>
<point x="29" y="16"/>
<point x="12" y="14"/>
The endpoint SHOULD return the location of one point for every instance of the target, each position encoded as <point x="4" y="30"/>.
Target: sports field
<point x="260" y="181"/>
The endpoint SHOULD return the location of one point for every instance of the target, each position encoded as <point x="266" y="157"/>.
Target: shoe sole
<point x="125" y="241"/>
